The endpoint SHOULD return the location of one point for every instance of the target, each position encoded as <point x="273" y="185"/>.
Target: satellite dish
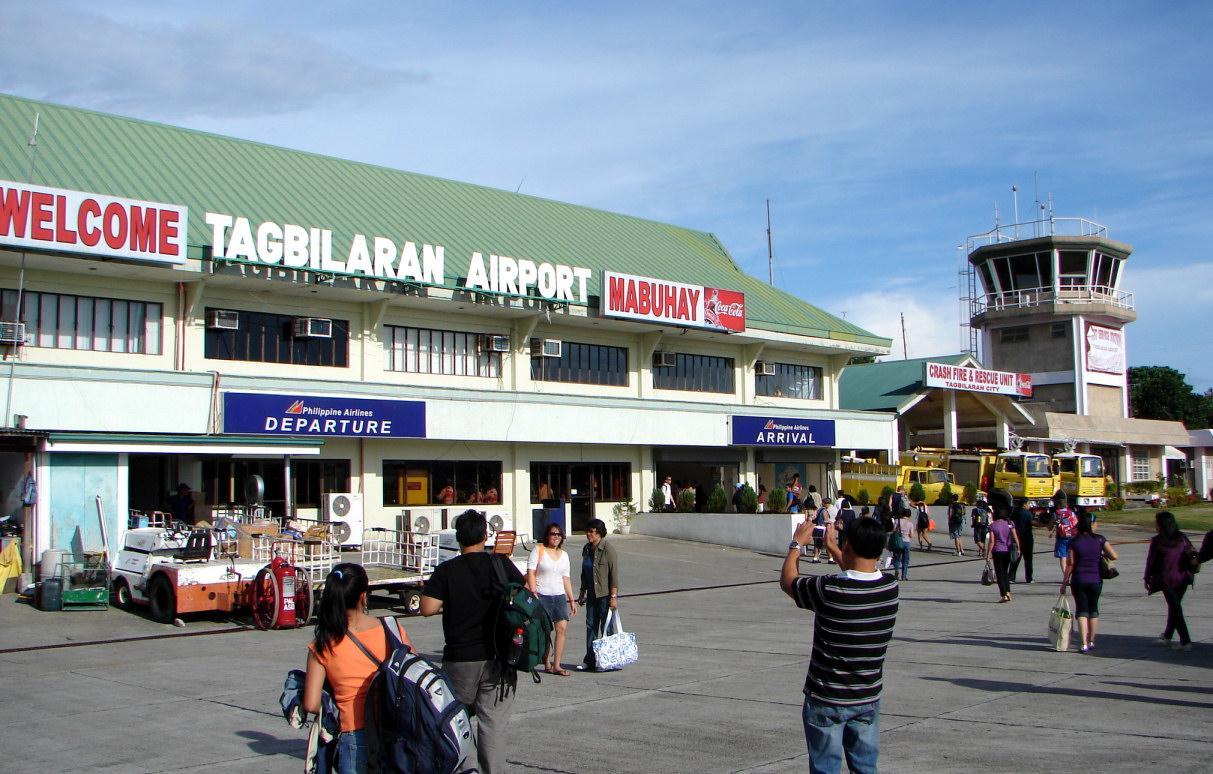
<point x="339" y="507"/>
<point x="496" y="522"/>
<point x="254" y="490"/>
<point x="421" y="525"/>
<point x="341" y="531"/>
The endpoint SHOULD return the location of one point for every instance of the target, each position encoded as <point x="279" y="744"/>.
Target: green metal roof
<point x="886" y="385"/>
<point x="90" y="151"/>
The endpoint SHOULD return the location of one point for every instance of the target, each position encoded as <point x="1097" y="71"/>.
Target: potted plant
<point x="624" y="511"/>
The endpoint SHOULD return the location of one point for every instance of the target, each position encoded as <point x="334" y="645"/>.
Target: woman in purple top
<point x="1165" y="572"/>
<point x="1003" y="534"/>
<point x="1081" y="573"/>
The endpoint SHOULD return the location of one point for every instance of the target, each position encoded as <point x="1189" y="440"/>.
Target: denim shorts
<point x="1061" y="549"/>
<point x="556" y="605"/>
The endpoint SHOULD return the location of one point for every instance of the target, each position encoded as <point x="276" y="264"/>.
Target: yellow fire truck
<point x="874" y="477"/>
<point x="1081" y="477"/>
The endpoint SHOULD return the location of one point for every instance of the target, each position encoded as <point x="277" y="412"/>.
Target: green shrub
<point x="862" y="497"/>
<point x="970" y="493"/>
<point x="917" y="493"/>
<point x="1142" y="487"/>
<point x="686" y="501"/>
<point x="749" y="500"/>
<point x="1115" y="504"/>
<point x="945" y="495"/>
<point x="777" y="500"/>
<point x="657" y="500"/>
<point x="887" y="491"/>
<point x="1113" y="490"/>
<point x="1176" y="495"/>
<point x="718" y="501"/>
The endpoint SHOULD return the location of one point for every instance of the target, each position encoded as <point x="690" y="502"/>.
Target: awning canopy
<point x="1115" y="430"/>
<point x="134" y="443"/>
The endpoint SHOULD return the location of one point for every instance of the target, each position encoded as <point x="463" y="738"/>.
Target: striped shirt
<point x="851" y="631"/>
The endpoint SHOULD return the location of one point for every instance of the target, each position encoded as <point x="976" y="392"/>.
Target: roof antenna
<point x="770" y="252"/>
<point x="520" y="182"/>
<point x="905" y="351"/>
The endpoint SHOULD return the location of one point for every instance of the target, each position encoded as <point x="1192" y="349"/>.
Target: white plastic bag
<point x="615" y="650"/>
<point x="1061" y="617"/>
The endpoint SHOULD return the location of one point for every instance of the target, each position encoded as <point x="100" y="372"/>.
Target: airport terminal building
<point x="184" y="307"/>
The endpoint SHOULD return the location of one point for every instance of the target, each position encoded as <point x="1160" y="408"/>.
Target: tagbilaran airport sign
<point x="780" y="431"/>
<point x="249" y="413"/>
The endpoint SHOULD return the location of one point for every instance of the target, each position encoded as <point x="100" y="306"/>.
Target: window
<point x="1038" y="467"/>
<point x="1141" y="463"/>
<point x="312" y="479"/>
<point x="264" y="337"/>
<point x="1058" y="330"/>
<point x="1092" y="466"/>
<point x="610" y="480"/>
<point x="583" y="364"/>
<point x="426" y="482"/>
<point x="58" y="321"/>
<point x="790" y="381"/>
<point x="1015" y="335"/>
<point x="429" y="351"/>
<point x="1072" y="268"/>
<point x="699" y="373"/>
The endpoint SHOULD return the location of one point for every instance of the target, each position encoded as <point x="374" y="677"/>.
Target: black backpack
<point x="418" y="725"/>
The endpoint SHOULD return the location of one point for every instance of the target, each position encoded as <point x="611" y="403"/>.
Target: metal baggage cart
<point x="400" y="563"/>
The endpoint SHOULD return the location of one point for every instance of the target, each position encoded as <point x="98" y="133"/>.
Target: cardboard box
<point x="247" y="532"/>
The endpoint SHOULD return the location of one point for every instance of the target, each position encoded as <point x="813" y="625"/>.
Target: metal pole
<point x="905" y="353"/>
<point x="770" y="252"/>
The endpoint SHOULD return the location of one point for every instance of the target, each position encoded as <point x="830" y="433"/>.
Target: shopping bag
<point x="615" y="649"/>
<point x="1060" y="619"/>
<point x="987" y="575"/>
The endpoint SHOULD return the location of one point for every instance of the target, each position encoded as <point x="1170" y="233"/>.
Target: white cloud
<point x="931" y="329"/>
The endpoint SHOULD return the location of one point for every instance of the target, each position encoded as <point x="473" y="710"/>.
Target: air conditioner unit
<point x="343" y="510"/>
<point x="490" y="343"/>
<point x="665" y="359"/>
<point x="764" y="368"/>
<point x="545" y="347"/>
<point x="222" y="320"/>
<point x="12" y="333"/>
<point x="313" y="328"/>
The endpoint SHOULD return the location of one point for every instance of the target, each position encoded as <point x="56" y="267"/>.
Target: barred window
<point x="431" y="482"/>
<point x="583" y="364"/>
<point x="263" y="337"/>
<point x="557" y="480"/>
<point x="790" y="381"/>
<point x="59" y="321"/>
<point x="699" y="373"/>
<point x="1141" y="463"/>
<point x="1016" y="335"/>
<point x="429" y="351"/>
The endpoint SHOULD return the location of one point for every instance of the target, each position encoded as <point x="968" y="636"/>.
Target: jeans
<point x="1002" y="561"/>
<point x="901" y="562"/>
<point x="596" y="609"/>
<point x="476" y="684"/>
<point x="1025" y="555"/>
<point x="352" y="752"/>
<point x="1175" y="615"/>
<point x="832" y="731"/>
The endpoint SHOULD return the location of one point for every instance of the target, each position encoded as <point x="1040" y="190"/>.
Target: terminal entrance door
<point x="582" y="496"/>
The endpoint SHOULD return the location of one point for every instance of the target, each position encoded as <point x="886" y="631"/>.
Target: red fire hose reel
<point x="281" y="596"/>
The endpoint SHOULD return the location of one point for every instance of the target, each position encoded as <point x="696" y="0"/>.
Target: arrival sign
<point x="296" y="415"/>
<point x="781" y="431"/>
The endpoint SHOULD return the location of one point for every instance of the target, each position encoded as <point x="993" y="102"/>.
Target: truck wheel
<point x="122" y="594"/>
<point x="410" y="600"/>
<point x="162" y="599"/>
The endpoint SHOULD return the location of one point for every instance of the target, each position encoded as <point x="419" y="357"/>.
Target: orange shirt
<point x="349" y="672"/>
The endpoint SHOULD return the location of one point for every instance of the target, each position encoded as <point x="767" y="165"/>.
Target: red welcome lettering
<point x="89" y="233"/>
<point x="41" y="217"/>
<point x="143" y="229"/>
<point x="113" y="223"/>
<point x="63" y="233"/>
<point x="168" y="233"/>
<point x="14" y="212"/>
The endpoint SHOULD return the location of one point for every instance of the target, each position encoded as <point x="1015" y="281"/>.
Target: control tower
<point x="1050" y="304"/>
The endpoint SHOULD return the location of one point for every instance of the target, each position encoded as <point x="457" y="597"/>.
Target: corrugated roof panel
<point x="86" y="150"/>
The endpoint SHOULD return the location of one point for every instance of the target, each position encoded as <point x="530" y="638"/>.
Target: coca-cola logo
<point x="732" y="310"/>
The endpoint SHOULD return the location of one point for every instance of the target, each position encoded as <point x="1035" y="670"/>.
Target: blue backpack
<point x="421" y="727"/>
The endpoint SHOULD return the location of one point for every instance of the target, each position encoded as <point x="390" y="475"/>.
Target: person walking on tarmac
<point x="1021" y="519"/>
<point x="1064" y="527"/>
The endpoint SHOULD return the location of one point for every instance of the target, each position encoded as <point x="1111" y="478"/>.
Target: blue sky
<point x="882" y="135"/>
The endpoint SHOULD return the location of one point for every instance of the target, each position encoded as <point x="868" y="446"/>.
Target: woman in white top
<point x="547" y="575"/>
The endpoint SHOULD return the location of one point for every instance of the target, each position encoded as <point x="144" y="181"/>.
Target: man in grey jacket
<point x="599" y="587"/>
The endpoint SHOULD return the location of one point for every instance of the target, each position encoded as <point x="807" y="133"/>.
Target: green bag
<point x="520" y="614"/>
<point x="897" y="541"/>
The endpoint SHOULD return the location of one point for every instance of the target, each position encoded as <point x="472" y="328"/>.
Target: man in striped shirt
<point x="855" y="612"/>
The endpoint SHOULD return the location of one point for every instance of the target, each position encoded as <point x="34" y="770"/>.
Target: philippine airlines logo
<point x="770" y="425"/>
<point x="295" y="408"/>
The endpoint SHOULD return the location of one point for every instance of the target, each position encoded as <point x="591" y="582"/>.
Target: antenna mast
<point x="905" y="352"/>
<point x="770" y="252"/>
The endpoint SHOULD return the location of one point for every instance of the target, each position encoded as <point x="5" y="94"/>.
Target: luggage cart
<point x="86" y="583"/>
<point x="399" y="563"/>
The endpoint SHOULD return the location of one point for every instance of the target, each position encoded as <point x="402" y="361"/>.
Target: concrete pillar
<point x="1002" y="431"/>
<point x="950" y="431"/>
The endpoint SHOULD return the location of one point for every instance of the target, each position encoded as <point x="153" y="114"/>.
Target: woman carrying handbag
<point x="1084" y="575"/>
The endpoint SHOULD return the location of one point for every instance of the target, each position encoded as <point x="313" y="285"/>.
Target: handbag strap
<point x="363" y="648"/>
<point x="612" y="619"/>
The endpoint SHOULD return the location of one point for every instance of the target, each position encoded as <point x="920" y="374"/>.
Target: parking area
<point x="970" y="684"/>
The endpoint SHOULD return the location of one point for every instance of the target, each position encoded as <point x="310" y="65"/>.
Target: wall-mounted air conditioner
<point x="764" y="368"/>
<point x="545" y="347"/>
<point x="664" y="359"/>
<point x="492" y="343"/>
<point x="344" y="512"/>
<point x="313" y="328"/>
<point x="12" y="333"/>
<point x="222" y="320"/>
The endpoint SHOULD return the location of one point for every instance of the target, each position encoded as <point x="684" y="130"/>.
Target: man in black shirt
<point x="465" y="590"/>
<point x="1021" y="519"/>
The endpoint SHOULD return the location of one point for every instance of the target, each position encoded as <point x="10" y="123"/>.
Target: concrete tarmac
<point x="970" y="684"/>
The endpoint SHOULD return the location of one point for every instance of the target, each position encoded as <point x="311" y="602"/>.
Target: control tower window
<point x="1025" y="272"/>
<point x="1103" y="270"/>
<point x="1073" y="268"/>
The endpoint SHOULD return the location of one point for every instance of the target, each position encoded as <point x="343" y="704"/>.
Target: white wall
<point x="766" y="532"/>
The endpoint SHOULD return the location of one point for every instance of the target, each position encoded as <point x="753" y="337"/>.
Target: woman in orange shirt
<point x="333" y="656"/>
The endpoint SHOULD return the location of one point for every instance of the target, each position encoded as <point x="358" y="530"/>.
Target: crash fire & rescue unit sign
<point x="955" y="377"/>
<point x="302" y="415"/>
<point x="781" y="431"/>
